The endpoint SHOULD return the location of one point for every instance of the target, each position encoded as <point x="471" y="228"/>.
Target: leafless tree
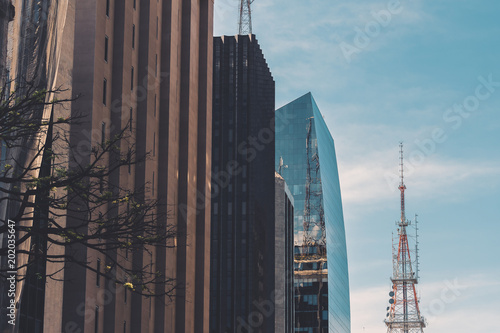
<point x="64" y="201"/>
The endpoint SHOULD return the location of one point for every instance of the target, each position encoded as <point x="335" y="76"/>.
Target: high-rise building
<point x="283" y="257"/>
<point x="148" y="63"/>
<point x="305" y="157"/>
<point x="246" y="269"/>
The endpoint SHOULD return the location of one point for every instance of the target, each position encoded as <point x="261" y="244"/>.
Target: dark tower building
<point x="243" y="189"/>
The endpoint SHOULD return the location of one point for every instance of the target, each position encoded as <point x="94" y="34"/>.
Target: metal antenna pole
<point x="402" y="186"/>
<point x="416" y="247"/>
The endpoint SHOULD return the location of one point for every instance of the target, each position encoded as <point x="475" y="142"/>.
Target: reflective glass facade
<point x="305" y="157"/>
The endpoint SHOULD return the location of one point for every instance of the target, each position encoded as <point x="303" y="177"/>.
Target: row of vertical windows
<point x="104" y="92"/>
<point x="103" y="140"/>
<point x="106" y="57"/>
<point x="106" y="43"/>
<point x="108" y="6"/>
<point x="96" y="321"/>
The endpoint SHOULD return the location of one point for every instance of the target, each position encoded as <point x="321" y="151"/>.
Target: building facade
<point x="305" y="157"/>
<point x="243" y="272"/>
<point x="146" y="63"/>
<point x="7" y="14"/>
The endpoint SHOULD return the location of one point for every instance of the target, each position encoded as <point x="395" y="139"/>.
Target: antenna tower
<point x="245" y="21"/>
<point x="403" y="314"/>
<point x="308" y="240"/>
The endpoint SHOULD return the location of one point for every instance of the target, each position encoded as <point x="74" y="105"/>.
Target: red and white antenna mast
<point x="403" y="314"/>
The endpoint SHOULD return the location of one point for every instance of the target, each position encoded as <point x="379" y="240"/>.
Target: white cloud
<point x="368" y="309"/>
<point x="376" y="179"/>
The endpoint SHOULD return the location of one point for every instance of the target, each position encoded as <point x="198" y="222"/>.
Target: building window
<point x="132" y="78"/>
<point x="134" y="4"/>
<point x="157" y="27"/>
<point x="106" y="41"/>
<point x="130" y="117"/>
<point x="153" y="184"/>
<point x="96" y="326"/>
<point x="154" y="144"/>
<point x="104" y="91"/>
<point x="126" y="248"/>
<point x="129" y="158"/>
<point x="124" y="322"/>
<point x="98" y="272"/>
<point x="125" y="295"/>
<point x="103" y="133"/>
<point x="156" y="65"/>
<point x="107" y="8"/>
<point x="133" y="36"/>
<point x="155" y="107"/>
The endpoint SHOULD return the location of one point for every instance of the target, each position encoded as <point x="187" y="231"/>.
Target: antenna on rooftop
<point x="245" y="21"/>
<point x="281" y="166"/>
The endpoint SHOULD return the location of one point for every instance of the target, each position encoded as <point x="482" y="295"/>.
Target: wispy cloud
<point x="375" y="180"/>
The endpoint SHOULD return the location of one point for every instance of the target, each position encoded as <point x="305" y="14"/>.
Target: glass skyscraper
<point x="305" y="157"/>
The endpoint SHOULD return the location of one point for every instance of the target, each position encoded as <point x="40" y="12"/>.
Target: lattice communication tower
<point x="245" y="20"/>
<point x="403" y="314"/>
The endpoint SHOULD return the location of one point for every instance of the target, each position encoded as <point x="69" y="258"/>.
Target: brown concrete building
<point x="148" y="62"/>
<point x="7" y="13"/>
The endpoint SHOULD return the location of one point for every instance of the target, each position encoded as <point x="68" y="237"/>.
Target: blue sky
<point x="417" y="76"/>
